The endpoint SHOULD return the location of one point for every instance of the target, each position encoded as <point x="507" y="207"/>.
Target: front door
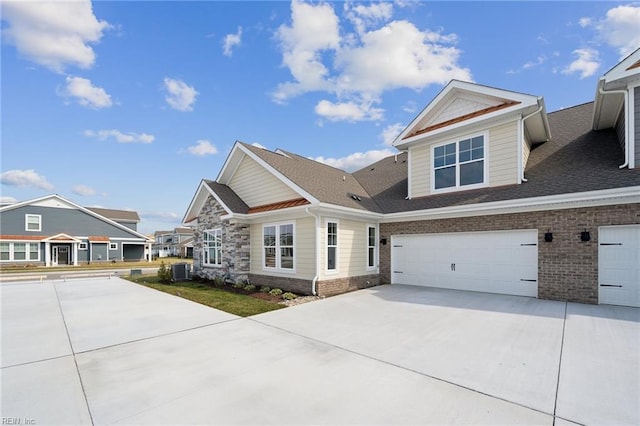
<point x="60" y="255"/>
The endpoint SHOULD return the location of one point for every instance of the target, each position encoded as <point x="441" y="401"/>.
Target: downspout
<point x="522" y="141"/>
<point x="315" y="277"/>
<point x="626" y="122"/>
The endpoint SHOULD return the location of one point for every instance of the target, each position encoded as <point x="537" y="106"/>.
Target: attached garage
<point x="619" y="265"/>
<point x="504" y="262"/>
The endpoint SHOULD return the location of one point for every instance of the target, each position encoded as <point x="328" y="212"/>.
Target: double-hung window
<point x="278" y="246"/>
<point x="371" y="246"/>
<point x="33" y="222"/>
<point x="19" y="251"/>
<point x="212" y="248"/>
<point x="332" y="246"/>
<point x="459" y="164"/>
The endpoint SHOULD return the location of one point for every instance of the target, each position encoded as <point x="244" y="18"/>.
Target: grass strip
<point x="233" y="303"/>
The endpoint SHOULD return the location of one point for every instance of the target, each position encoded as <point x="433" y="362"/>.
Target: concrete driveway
<point x="101" y="351"/>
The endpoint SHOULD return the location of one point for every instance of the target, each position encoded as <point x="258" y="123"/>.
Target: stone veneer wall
<point x="235" y="245"/>
<point x="567" y="267"/>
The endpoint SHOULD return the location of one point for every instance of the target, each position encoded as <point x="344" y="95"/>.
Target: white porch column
<point x="47" y="253"/>
<point x="75" y="254"/>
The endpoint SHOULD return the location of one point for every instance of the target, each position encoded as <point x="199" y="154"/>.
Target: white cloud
<point x="202" y="147"/>
<point x="120" y="137"/>
<point x="390" y="132"/>
<point x="8" y="200"/>
<point x="621" y="28"/>
<point x="585" y="22"/>
<point x="351" y="66"/>
<point x="230" y="41"/>
<point x="25" y="178"/>
<point x="54" y="34"/>
<point x="348" y="111"/>
<point x="83" y="190"/>
<point x="541" y="59"/>
<point x="363" y="16"/>
<point x="356" y="160"/>
<point x="313" y="30"/>
<point x="160" y="216"/>
<point x="586" y="63"/>
<point x="180" y="96"/>
<point x="86" y="93"/>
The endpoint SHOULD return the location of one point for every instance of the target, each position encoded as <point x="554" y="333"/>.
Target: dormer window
<point x="459" y="164"/>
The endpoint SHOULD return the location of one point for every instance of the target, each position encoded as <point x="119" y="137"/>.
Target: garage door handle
<point x="531" y="281"/>
<point x="610" y="244"/>
<point x="532" y="244"/>
<point x="611" y="285"/>
<point x="398" y="272"/>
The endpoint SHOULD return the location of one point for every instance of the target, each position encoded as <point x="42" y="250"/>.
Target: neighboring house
<point x="176" y="243"/>
<point x="488" y="192"/>
<point x="53" y="231"/>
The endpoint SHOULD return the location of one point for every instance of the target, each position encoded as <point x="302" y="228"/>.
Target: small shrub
<point x="239" y="284"/>
<point x="289" y="296"/>
<point x="275" y="292"/>
<point x="249" y="287"/>
<point x="164" y="274"/>
<point x="218" y="281"/>
<point x="265" y="289"/>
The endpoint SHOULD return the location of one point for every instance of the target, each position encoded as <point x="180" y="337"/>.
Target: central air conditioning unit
<point x="181" y="271"/>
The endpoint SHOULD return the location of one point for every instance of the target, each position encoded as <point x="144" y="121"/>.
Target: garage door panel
<point x="498" y="262"/>
<point x="619" y="265"/>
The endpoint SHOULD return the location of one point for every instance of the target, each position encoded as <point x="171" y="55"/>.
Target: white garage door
<point x="504" y="262"/>
<point x="619" y="265"/>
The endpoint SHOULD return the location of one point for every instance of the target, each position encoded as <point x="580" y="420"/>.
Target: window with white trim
<point x="459" y="164"/>
<point x="372" y="246"/>
<point x="82" y="246"/>
<point x="33" y="222"/>
<point x="113" y="246"/>
<point x="19" y="251"/>
<point x="278" y="246"/>
<point x="212" y="247"/>
<point x="332" y="246"/>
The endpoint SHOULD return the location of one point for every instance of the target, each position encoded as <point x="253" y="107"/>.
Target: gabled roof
<point x="462" y="104"/>
<point x="576" y="160"/>
<point x="609" y="99"/>
<point x="229" y="200"/>
<point x="324" y="183"/>
<point x="56" y="201"/>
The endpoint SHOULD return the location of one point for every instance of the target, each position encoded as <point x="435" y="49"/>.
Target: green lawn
<point x="233" y="303"/>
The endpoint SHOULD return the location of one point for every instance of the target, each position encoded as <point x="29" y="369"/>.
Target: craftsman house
<point x="53" y="231"/>
<point x="487" y="192"/>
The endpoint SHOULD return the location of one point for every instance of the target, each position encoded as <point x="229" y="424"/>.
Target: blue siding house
<point x="53" y="231"/>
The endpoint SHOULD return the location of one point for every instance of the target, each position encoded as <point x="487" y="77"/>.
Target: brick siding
<point x="567" y="267"/>
<point x="323" y="288"/>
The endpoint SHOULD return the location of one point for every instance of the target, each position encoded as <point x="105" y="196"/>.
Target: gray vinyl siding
<point x="99" y="252"/>
<point x="56" y="221"/>
<point x="636" y="124"/>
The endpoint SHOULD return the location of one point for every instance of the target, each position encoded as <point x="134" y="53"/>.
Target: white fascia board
<point x="230" y="164"/>
<point x="524" y="100"/>
<point x="77" y="207"/>
<point x="280" y="176"/>
<point x="323" y="209"/>
<point x="272" y="215"/>
<point x="491" y="119"/>
<point x="629" y="195"/>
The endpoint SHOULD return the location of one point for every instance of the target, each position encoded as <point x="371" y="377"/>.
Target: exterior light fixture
<point x="548" y="236"/>
<point x="383" y="241"/>
<point x="585" y="236"/>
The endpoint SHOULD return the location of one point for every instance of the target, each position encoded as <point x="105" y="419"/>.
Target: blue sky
<point x="128" y="105"/>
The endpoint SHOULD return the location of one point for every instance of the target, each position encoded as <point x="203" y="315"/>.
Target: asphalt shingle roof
<point x="117" y="215"/>
<point x="577" y="159"/>
<point x="228" y="197"/>
<point x="325" y="183"/>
